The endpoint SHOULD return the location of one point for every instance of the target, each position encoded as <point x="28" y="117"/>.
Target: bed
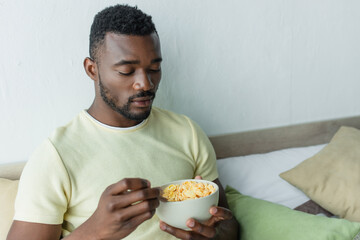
<point x="275" y="183"/>
<point x="294" y="182"/>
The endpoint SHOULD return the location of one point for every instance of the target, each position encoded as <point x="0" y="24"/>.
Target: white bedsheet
<point x="257" y="175"/>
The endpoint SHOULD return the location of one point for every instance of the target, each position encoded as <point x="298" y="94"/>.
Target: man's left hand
<point x="199" y="230"/>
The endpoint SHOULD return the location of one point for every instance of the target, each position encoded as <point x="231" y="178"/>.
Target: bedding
<point x="271" y="194"/>
<point x="261" y="219"/>
<point x="257" y="175"/>
<point x="331" y="178"/>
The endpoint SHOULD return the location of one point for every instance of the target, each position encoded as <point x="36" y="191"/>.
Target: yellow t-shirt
<point x="63" y="180"/>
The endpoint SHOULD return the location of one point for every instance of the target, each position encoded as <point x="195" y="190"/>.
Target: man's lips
<point x="142" y="101"/>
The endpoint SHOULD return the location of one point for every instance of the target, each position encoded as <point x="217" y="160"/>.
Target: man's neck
<point x="108" y="116"/>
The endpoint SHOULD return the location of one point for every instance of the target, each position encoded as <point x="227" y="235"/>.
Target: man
<point x="70" y="186"/>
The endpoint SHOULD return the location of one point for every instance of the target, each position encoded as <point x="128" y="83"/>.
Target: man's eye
<point x="126" y="73"/>
<point x="155" y="70"/>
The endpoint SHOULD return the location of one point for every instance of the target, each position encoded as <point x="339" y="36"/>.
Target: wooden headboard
<point x="267" y="140"/>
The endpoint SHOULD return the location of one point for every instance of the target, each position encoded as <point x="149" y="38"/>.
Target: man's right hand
<point x="123" y="206"/>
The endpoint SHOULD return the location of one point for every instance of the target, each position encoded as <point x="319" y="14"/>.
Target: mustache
<point x="142" y="94"/>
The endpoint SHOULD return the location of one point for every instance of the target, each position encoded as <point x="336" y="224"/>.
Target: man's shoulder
<point x="70" y="128"/>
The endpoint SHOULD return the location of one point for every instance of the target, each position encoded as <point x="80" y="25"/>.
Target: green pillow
<point x="261" y="219"/>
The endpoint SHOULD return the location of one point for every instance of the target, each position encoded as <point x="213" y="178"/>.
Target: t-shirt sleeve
<point x="44" y="188"/>
<point x="204" y="154"/>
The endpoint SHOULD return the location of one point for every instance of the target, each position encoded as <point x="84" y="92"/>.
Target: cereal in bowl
<point x="187" y="190"/>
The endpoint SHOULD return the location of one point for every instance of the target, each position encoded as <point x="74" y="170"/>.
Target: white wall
<point x="230" y="65"/>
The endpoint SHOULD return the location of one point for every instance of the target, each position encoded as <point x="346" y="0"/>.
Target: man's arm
<point x="123" y="206"/>
<point x="221" y="226"/>
<point x="33" y="231"/>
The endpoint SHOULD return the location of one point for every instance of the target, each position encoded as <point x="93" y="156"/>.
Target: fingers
<point x="127" y="184"/>
<point x="132" y="198"/>
<point x="199" y="230"/>
<point x="198" y="177"/>
<point x="181" y="234"/>
<point x="219" y="214"/>
<point x="122" y="207"/>
<point x="204" y="230"/>
<point x="139" y="209"/>
<point x="134" y="222"/>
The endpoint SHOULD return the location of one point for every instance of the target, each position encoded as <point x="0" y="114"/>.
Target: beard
<point x="125" y="109"/>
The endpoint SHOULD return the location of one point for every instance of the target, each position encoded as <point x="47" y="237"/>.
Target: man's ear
<point x="91" y="68"/>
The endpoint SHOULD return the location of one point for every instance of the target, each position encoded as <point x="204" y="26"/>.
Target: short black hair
<point x="120" y="19"/>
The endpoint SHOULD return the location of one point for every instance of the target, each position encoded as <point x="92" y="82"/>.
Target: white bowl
<point x="177" y="213"/>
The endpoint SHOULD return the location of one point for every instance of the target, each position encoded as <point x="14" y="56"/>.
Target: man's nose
<point x="143" y="81"/>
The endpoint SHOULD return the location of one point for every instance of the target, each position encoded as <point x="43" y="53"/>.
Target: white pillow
<point x="257" y="175"/>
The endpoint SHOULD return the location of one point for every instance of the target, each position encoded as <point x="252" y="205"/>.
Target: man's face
<point x="129" y="73"/>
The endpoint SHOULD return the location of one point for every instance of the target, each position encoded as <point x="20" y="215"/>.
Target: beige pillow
<point x="331" y="178"/>
<point x="8" y="190"/>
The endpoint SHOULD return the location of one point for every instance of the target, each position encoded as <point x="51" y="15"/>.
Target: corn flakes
<point x="187" y="190"/>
